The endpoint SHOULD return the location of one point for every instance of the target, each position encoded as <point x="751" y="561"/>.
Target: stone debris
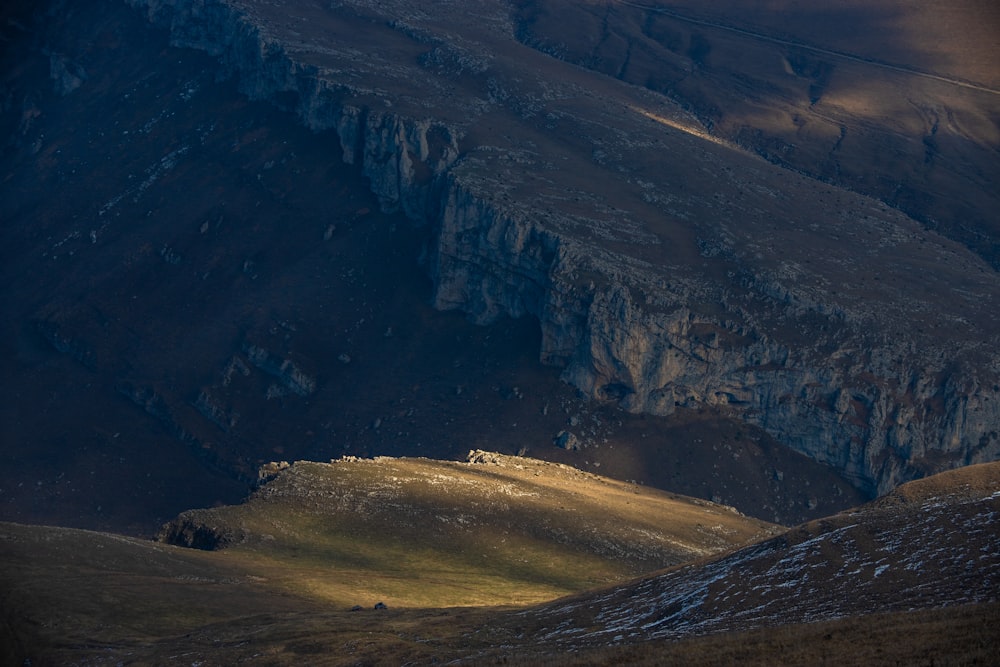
<point x="567" y="440"/>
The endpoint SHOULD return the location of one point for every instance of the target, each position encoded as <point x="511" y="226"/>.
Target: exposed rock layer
<point x="667" y="269"/>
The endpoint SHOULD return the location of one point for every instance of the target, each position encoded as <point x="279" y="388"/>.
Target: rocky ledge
<point x="667" y="268"/>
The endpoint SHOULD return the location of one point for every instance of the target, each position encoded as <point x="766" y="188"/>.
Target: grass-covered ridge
<point x="423" y="533"/>
<point x="907" y="579"/>
<point x="431" y="539"/>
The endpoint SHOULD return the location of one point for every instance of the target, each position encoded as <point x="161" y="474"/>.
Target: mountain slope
<point x="930" y="544"/>
<point x="890" y="98"/>
<point x="213" y="288"/>
<point x="668" y="268"/>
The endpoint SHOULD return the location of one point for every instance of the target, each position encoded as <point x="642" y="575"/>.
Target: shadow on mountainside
<point x="897" y="104"/>
<point x="196" y="285"/>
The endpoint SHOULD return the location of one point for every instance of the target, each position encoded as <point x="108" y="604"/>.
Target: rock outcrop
<point x="186" y="531"/>
<point x="667" y="269"/>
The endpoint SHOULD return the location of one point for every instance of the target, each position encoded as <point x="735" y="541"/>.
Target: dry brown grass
<point x="422" y="533"/>
<point x="954" y="636"/>
<point x="77" y="597"/>
<point x="428" y="538"/>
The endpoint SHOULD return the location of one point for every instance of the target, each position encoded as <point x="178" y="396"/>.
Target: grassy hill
<point x="317" y="539"/>
<point x="457" y="551"/>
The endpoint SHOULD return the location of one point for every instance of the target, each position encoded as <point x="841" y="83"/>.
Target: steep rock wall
<point x="853" y="401"/>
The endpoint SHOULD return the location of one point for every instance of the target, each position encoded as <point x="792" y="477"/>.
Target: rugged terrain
<point x="911" y="578"/>
<point x="142" y="365"/>
<point x="746" y="255"/>
<point x="846" y="329"/>
<point x="724" y="261"/>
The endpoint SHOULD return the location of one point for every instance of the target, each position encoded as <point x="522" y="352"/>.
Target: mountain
<point x="243" y="298"/>
<point x="911" y="577"/>
<point x="718" y="280"/>
<point x="746" y="252"/>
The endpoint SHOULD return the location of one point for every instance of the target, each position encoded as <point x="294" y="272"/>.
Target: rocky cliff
<point x="667" y="268"/>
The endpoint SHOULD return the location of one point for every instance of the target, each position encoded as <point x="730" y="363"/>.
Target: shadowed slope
<point x="932" y="543"/>
<point x="896" y="99"/>
<point x="199" y="241"/>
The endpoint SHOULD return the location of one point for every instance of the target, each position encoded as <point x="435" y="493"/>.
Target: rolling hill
<point x="317" y="540"/>
<point x="912" y="577"/>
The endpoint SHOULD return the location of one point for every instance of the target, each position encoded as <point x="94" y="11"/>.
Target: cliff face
<point x="667" y="270"/>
